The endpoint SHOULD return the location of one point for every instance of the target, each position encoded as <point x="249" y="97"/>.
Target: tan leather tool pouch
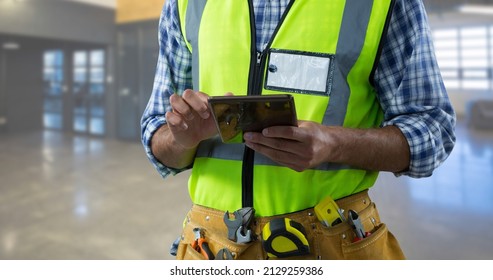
<point x="215" y="232"/>
<point x="326" y="243"/>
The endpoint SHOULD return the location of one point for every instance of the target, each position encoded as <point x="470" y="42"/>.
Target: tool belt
<point x="334" y="242"/>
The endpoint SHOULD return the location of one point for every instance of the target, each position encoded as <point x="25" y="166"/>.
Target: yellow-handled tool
<point x="283" y="237"/>
<point x="328" y="212"/>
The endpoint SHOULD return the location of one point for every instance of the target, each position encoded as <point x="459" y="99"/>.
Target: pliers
<point x="201" y="246"/>
<point x="355" y="222"/>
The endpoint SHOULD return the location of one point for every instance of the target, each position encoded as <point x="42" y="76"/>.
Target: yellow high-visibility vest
<point x="324" y="53"/>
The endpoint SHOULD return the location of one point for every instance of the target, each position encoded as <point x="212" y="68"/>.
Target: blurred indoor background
<point x="75" y="77"/>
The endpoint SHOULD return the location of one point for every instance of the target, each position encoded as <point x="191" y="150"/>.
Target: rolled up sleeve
<point x="411" y="90"/>
<point x="173" y="75"/>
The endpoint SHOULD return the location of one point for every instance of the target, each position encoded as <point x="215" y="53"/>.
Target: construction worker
<point x="373" y="100"/>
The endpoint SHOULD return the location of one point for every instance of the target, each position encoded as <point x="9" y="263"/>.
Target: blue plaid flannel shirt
<point x="408" y="81"/>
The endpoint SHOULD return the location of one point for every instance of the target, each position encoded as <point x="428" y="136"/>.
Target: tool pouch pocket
<point x="215" y="233"/>
<point x="381" y="244"/>
<point x="338" y="242"/>
<point x="186" y="252"/>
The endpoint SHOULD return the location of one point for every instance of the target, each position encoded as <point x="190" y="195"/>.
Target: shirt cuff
<point x="148" y="131"/>
<point x="422" y="147"/>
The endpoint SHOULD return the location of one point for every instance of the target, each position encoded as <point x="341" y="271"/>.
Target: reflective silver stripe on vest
<point x="195" y="9"/>
<point x="352" y="36"/>
<point x="214" y="148"/>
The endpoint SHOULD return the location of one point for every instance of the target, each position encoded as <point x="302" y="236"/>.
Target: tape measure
<point x="283" y="237"/>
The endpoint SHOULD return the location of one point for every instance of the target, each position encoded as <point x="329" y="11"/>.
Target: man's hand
<point x="190" y="122"/>
<point x="298" y="148"/>
<point x="310" y="144"/>
<point x="175" y="143"/>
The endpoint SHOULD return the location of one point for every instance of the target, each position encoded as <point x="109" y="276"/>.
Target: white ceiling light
<point x="11" y="46"/>
<point x="476" y="9"/>
<point x="104" y="3"/>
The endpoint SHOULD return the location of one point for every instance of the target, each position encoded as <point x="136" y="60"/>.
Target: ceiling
<point x="445" y="13"/>
<point x="441" y="12"/>
<point x="433" y="6"/>
<point x="441" y="6"/>
<point x="103" y="3"/>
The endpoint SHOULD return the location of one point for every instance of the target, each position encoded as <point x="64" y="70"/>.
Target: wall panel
<point x="131" y="10"/>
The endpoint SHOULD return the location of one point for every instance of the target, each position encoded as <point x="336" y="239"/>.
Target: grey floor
<point x="66" y="197"/>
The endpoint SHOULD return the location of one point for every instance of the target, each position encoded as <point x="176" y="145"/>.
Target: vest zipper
<point x="257" y="66"/>
<point x="257" y="77"/>
<point x="255" y="82"/>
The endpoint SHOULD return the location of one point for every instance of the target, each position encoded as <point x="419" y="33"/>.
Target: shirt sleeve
<point x="173" y="75"/>
<point x="411" y="90"/>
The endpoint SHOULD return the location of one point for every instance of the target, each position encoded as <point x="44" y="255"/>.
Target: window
<point x="464" y="55"/>
<point x="80" y="80"/>
<point x="53" y="79"/>
<point x="88" y="91"/>
<point x="447" y="52"/>
<point x="97" y="89"/>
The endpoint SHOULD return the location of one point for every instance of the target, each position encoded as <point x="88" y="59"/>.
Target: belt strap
<point x="335" y="242"/>
<point x="214" y="218"/>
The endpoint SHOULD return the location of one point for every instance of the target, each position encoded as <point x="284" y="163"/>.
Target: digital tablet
<point x="235" y="115"/>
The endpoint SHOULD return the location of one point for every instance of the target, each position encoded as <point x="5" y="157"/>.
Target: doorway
<point x="88" y="92"/>
<point x="75" y="90"/>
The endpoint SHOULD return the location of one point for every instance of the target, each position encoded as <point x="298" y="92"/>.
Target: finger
<point x="198" y="102"/>
<point x="176" y="122"/>
<point x="282" y="157"/>
<point x="279" y="143"/>
<point x="181" y="107"/>
<point x="285" y="132"/>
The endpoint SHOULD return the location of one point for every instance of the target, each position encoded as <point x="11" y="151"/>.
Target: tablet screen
<point x="235" y="115"/>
